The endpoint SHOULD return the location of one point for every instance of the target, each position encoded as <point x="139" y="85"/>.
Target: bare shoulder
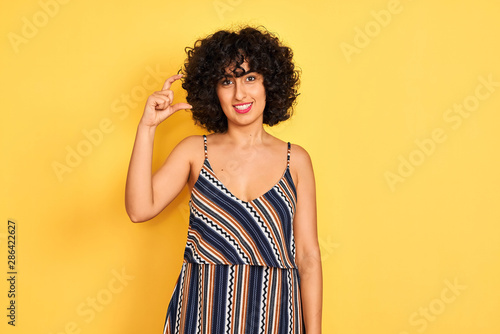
<point x="191" y="150"/>
<point x="299" y="156"/>
<point x="191" y="146"/>
<point x="188" y="152"/>
<point x="300" y="164"/>
<point x="191" y="141"/>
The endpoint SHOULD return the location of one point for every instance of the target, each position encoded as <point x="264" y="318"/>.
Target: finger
<point x="179" y="106"/>
<point x="160" y="103"/>
<point x="165" y="94"/>
<point x="170" y="80"/>
<point x="162" y="98"/>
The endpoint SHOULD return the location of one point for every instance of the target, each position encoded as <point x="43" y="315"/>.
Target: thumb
<point x="179" y="106"/>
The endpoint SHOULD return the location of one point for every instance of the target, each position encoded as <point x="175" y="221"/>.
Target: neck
<point x="247" y="135"/>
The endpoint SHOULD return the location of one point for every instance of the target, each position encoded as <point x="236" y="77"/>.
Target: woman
<point x="252" y="261"/>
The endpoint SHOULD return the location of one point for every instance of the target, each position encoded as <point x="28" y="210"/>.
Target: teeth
<point x="243" y="106"/>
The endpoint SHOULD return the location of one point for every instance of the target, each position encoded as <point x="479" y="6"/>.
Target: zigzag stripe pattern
<point x="223" y="233"/>
<point x="200" y="297"/>
<point x="230" y="299"/>
<point x="291" y="206"/>
<point x="239" y="273"/>
<point x="265" y="286"/>
<point x="260" y="221"/>
<point x="290" y="301"/>
<point x="179" y="301"/>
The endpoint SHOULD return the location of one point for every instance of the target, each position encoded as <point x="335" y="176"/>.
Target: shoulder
<point x="191" y="143"/>
<point x="299" y="156"/>
<point x="300" y="164"/>
<point x="190" y="148"/>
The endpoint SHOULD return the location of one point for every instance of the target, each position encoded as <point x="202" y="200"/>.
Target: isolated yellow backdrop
<point x="399" y="109"/>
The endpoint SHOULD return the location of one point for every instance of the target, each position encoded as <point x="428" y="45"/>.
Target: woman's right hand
<point x="158" y="106"/>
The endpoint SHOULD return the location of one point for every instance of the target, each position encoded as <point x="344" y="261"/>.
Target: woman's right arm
<point x="146" y="194"/>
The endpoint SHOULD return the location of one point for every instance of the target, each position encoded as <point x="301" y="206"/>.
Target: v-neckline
<point x="207" y="163"/>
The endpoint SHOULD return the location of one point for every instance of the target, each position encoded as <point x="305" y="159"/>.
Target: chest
<point x="248" y="174"/>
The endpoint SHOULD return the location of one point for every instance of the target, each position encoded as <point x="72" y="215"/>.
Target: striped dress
<point x="239" y="273"/>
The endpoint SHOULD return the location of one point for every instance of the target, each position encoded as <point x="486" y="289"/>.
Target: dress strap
<point x="205" y="143"/>
<point x="288" y="155"/>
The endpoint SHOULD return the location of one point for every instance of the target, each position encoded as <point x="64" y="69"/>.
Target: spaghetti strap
<point x="205" y="144"/>
<point x="288" y="156"/>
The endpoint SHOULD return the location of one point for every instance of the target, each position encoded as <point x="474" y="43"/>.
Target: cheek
<point x="221" y="96"/>
<point x="259" y="92"/>
<point x="263" y="94"/>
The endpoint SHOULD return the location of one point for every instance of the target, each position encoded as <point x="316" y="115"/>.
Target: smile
<point x="243" y="108"/>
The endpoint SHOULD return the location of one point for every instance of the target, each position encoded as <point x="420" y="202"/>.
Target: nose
<point x="240" y="91"/>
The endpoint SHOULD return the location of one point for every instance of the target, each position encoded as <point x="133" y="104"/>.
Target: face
<point x="243" y="98"/>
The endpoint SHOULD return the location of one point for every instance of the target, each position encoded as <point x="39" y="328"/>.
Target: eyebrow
<point x="231" y="75"/>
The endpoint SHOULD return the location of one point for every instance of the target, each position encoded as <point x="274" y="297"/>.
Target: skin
<point x="247" y="159"/>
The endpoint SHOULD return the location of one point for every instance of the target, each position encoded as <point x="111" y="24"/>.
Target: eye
<point x="251" y="78"/>
<point x="226" y="82"/>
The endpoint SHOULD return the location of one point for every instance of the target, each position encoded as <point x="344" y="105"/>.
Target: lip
<point x="243" y="111"/>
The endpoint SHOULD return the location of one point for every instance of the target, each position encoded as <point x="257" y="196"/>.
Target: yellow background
<point x="418" y="254"/>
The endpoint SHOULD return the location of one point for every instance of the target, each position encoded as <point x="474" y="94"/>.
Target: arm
<point x="146" y="195"/>
<point x="308" y="256"/>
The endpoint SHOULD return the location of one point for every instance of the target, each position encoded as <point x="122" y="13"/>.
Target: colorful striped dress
<point x="239" y="273"/>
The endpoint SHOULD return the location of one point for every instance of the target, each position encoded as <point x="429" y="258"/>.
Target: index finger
<point x="170" y="80"/>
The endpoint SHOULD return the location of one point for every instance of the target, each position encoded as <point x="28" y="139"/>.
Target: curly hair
<point x="208" y="60"/>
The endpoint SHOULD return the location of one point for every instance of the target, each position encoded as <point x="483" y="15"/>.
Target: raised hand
<point x="159" y="104"/>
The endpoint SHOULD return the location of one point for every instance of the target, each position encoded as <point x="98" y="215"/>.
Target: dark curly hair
<point x="208" y="60"/>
